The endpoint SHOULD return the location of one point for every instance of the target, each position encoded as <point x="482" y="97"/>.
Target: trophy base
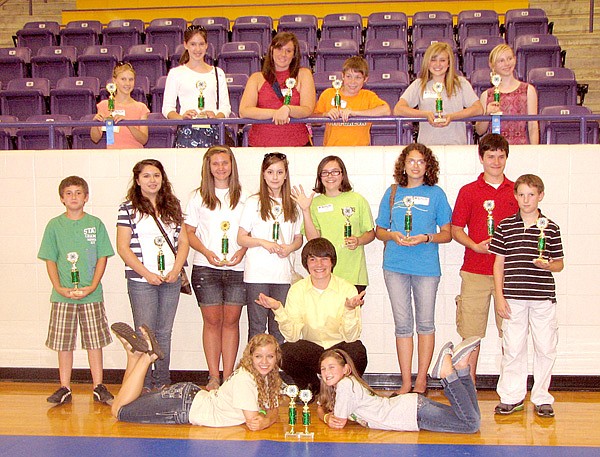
<point x="300" y="436"/>
<point x="439" y="120"/>
<point x="497" y="113"/>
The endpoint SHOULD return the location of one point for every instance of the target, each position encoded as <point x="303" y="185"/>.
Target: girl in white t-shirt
<point x="249" y="395"/>
<point x="270" y="229"/>
<point x="212" y="220"/>
<point x="345" y="395"/>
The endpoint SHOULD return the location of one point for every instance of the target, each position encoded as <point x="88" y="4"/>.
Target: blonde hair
<point x="121" y="67"/>
<point x="494" y="53"/>
<point x="207" y="185"/>
<point x="451" y="82"/>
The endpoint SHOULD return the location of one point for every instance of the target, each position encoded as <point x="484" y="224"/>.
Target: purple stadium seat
<point x="566" y="132"/>
<point x="167" y="31"/>
<point x="338" y="27"/>
<point x="525" y="21"/>
<point x="480" y="80"/>
<point x="385" y="134"/>
<point x="536" y="51"/>
<point x="476" y="52"/>
<point x="24" y="97"/>
<point x="75" y="96"/>
<point x="240" y="57"/>
<point x="388" y="85"/>
<point x="304" y="26"/>
<point x="253" y="28"/>
<point x="555" y="86"/>
<point x="217" y="29"/>
<point x="99" y="61"/>
<point x="123" y="32"/>
<point x="35" y="35"/>
<point x="54" y="63"/>
<point x="160" y="136"/>
<point x="157" y="94"/>
<point x="13" y="63"/>
<point x="81" y="136"/>
<point x="421" y="45"/>
<point x="386" y="54"/>
<point x="387" y="26"/>
<point x="304" y="54"/>
<point x="236" y="83"/>
<point x="81" y="34"/>
<point x="477" y="23"/>
<point x="37" y="138"/>
<point x="331" y="53"/>
<point x="323" y="79"/>
<point x="6" y="134"/>
<point x="432" y="25"/>
<point x="148" y="60"/>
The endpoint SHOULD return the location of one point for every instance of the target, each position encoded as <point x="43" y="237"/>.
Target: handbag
<point x="186" y="287"/>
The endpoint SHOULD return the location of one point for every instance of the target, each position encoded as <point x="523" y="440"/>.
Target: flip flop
<point x="464" y="348"/>
<point x="156" y="349"/>
<point x="124" y="331"/>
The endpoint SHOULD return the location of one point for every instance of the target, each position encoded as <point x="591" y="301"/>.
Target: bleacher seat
<point x="35" y="35"/>
<point x="75" y="96"/>
<point x="304" y="54"/>
<point x="6" y="134"/>
<point x="240" y="57"/>
<point x="432" y="25"/>
<point x="140" y="92"/>
<point x="536" y="51"/>
<point x="386" y="54"/>
<point x="148" y="60"/>
<point x="14" y="63"/>
<point x="304" y="26"/>
<point x="338" y="27"/>
<point x="555" y="86"/>
<point x="253" y="28"/>
<point x="524" y="21"/>
<point x="476" y="52"/>
<point x="477" y="23"/>
<point x="99" y="61"/>
<point x="123" y="32"/>
<point x="37" y="138"/>
<point x="387" y="26"/>
<point x="386" y="134"/>
<point x="567" y="132"/>
<point x="81" y="34"/>
<point x="420" y="47"/>
<point x="54" y="63"/>
<point x="331" y="53"/>
<point x="480" y="80"/>
<point x="167" y="31"/>
<point x="157" y="94"/>
<point x="160" y="136"/>
<point x="324" y="79"/>
<point x="24" y="97"/>
<point x="388" y="85"/>
<point x="81" y="136"/>
<point x="236" y="84"/>
<point x="217" y="30"/>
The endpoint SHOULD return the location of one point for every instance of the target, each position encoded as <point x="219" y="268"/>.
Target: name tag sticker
<point x="429" y="94"/>
<point x="120" y="112"/>
<point x="325" y="208"/>
<point x="424" y="201"/>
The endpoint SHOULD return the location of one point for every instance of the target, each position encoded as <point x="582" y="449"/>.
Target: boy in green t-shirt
<point x="76" y="248"/>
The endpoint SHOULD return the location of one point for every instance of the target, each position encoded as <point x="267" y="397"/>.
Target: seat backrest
<point x="68" y="52"/>
<point x="95" y="26"/>
<point x="158" y="92"/>
<point x="81" y="34"/>
<point x="156" y="51"/>
<point x="480" y="80"/>
<point x="79" y="82"/>
<point x="21" y="53"/>
<point x="566" y="132"/>
<point x="476" y="52"/>
<point x="391" y="25"/>
<point x="75" y="96"/>
<point x="82" y="139"/>
<point x="6" y="142"/>
<point x="37" y="138"/>
<point x="24" y="97"/>
<point x="331" y="53"/>
<point x="100" y="61"/>
<point x="167" y="31"/>
<point x="148" y="60"/>
<point x="236" y="83"/>
<point x="388" y="85"/>
<point x="240" y="57"/>
<point x="554" y="85"/>
<point x="477" y="23"/>
<point x="124" y="32"/>
<point x="136" y="24"/>
<point x="304" y="26"/>
<point x="168" y="22"/>
<point x="34" y="35"/>
<point x="160" y="136"/>
<point x="52" y="26"/>
<point x="386" y="54"/>
<point x="524" y="21"/>
<point x="324" y="79"/>
<point x="432" y="24"/>
<point x="111" y="50"/>
<point x="13" y="63"/>
<point x="536" y="51"/>
<point x="253" y="28"/>
<point x="342" y="26"/>
<point x="36" y="84"/>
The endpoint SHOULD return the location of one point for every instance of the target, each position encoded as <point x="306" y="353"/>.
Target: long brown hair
<point x="290" y="210"/>
<point x="451" y="83"/>
<point x="345" y="186"/>
<point x="189" y="33"/>
<point x="327" y="393"/>
<point x="270" y="385"/>
<point x="280" y="40"/>
<point x="207" y="185"/>
<point x="432" y="166"/>
<point x="168" y="206"/>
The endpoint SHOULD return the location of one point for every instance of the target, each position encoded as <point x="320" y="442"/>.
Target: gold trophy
<point x="438" y="88"/>
<point x="542" y="224"/>
<point x="201" y="86"/>
<point x="337" y="100"/>
<point x="112" y="90"/>
<point x="306" y="396"/>
<point x="160" y="256"/>
<point x="496" y="80"/>
<point x="348" y="211"/>
<point x="287" y="92"/>
<point x="409" y="202"/>
<point x="276" y="211"/>
<point x="73" y="257"/>
<point x="489" y="206"/>
<point x="292" y="392"/>
<point x="225" y="241"/>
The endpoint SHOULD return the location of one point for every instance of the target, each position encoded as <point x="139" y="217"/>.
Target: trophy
<point x="409" y="202"/>
<point x="160" y="256"/>
<point x="542" y="224"/>
<point x="73" y="257"/>
<point x="112" y="89"/>
<point x="292" y="392"/>
<point x="348" y="211"/>
<point x="337" y="85"/>
<point x="225" y="241"/>
<point x="489" y="206"/>
<point x="438" y="88"/>
<point x="287" y="92"/>
<point x="201" y="86"/>
<point x="496" y="80"/>
<point x="276" y="212"/>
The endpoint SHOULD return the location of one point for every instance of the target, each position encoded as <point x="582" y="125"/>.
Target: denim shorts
<point x="171" y="405"/>
<point x="218" y="287"/>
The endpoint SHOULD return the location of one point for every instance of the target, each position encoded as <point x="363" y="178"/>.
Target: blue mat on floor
<point x="59" y="446"/>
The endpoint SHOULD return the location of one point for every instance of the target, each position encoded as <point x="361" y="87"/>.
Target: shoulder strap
<point x="217" y="78"/>
<point x="392" y="196"/>
<point x="166" y="237"/>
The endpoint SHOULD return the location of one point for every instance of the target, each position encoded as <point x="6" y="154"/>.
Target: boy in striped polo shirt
<point x="528" y="250"/>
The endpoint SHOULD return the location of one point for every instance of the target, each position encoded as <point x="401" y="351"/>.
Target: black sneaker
<point x="102" y="394"/>
<point x="544" y="410"/>
<point x="62" y="395"/>
<point x="504" y="408"/>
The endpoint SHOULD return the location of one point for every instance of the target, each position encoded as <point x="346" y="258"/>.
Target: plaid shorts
<point x="62" y="329"/>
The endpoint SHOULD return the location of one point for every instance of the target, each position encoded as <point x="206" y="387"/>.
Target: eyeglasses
<point x="326" y="173"/>
<point x="277" y="155"/>
<point x="413" y="162"/>
<point x="195" y="28"/>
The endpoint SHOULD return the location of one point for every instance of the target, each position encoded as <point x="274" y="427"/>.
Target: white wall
<point x="29" y="198"/>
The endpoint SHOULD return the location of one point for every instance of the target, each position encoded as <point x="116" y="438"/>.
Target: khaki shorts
<point x="473" y="305"/>
<point x="62" y="330"/>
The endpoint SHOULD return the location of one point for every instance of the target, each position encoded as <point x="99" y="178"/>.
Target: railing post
<point x="582" y="130"/>
<point x="51" y="144"/>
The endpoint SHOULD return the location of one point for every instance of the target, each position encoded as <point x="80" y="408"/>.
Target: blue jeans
<point x="156" y="307"/>
<point x="261" y="320"/>
<point x="462" y="416"/>
<point x="169" y="406"/>
<point x="402" y="288"/>
<point x="218" y="287"/>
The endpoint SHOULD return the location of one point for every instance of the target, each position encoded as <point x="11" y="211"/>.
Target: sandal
<point x="213" y="383"/>
<point x="155" y="349"/>
<point x="124" y="331"/>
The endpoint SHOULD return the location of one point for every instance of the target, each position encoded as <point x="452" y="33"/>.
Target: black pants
<point x="301" y="361"/>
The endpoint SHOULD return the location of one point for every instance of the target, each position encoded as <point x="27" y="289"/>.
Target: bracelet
<point x="429" y="238"/>
<point x="325" y="418"/>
